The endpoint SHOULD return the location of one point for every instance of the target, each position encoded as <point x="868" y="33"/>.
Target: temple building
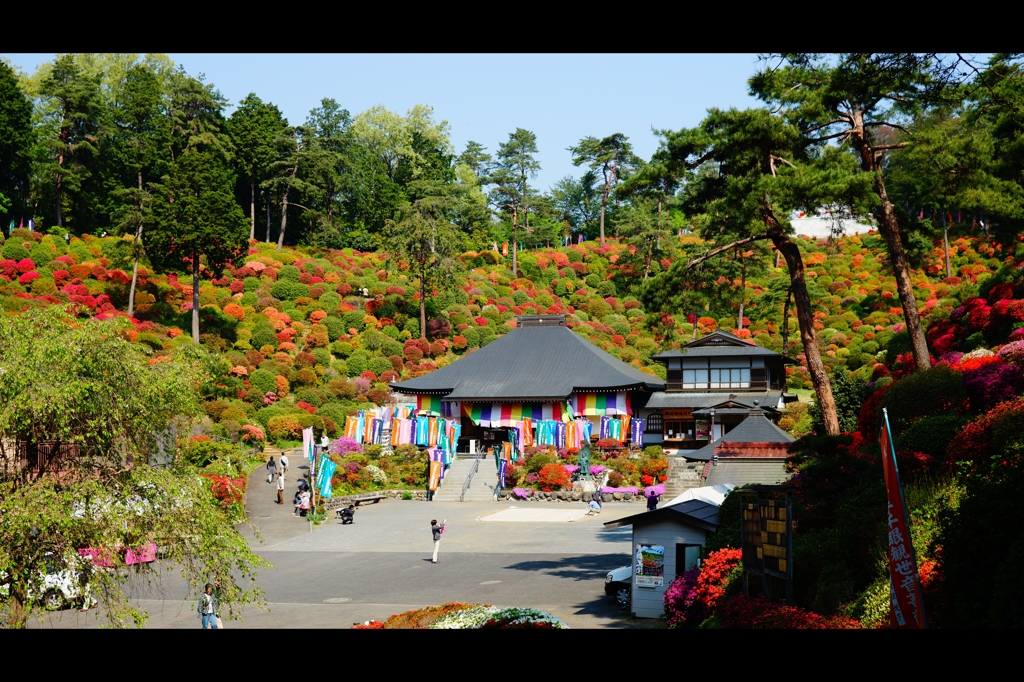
<point x="539" y="384"/>
<point x="713" y="384"/>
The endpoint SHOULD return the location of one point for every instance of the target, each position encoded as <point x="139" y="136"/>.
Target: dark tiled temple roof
<point x="754" y="429"/>
<point x="532" y="363"/>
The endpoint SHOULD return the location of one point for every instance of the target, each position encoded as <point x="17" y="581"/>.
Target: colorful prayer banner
<point x="600" y="404"/>
<point x="906" y="602"/>
<point x="307" y="443"/>
<point x="428" y="403"/>
<point x="502" y="469"/>
<point x="435" y="475"/>
<point x="326" y="473"/>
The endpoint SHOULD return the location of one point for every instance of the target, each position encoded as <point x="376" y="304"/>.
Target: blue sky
<point x="561" y="98"/>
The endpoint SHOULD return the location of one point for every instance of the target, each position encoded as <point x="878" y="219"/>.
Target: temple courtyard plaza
<point x="338" y="575"/>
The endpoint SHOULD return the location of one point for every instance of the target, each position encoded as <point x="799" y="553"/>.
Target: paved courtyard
<point x="338" y="575"/>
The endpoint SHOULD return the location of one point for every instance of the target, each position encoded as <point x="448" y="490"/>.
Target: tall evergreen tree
<point x="516" y="163"/>
<point x="850" y="98"/>
<point x="141" y="139"/>
<point x="254" y="126"/>
<point x="15" y="142"/>
<point x="194" y="215"/>
<point x="613" y="155"/>
<point x="72" y="143"/>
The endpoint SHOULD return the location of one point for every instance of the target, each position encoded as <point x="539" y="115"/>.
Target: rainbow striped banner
<point x="428" y="403"/>
<point x="600" y="404"/>
<point x="512" y="414"/>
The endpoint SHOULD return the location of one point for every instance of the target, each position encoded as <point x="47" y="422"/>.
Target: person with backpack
<point x="436" y="531"/>
<point x="652" y="500"/>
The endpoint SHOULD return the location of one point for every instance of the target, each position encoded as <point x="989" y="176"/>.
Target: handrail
<point x="469" y="479"/>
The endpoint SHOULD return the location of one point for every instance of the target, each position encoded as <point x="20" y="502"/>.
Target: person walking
<point x="284" y="463"/>
<point x="208" y="607"/>
<point x="280" y="488"/>
<point x="652" y="500"/>
<point x="436" y="531"/>
<point x="271" y="469"/>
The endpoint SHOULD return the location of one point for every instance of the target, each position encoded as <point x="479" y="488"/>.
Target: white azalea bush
<point x="486" y="617"/>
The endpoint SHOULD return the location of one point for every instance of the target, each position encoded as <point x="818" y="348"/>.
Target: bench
<point x="358" y="500"/>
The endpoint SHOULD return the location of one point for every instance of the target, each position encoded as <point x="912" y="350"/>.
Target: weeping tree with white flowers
<point x="79" y="389"/>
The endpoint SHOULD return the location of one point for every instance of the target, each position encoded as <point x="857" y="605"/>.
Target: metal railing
<point x="469" y="478"/>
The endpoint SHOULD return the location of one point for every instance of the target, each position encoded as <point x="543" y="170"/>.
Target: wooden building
<point x="713" y="383"/>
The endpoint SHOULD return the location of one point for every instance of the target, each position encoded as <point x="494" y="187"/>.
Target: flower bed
<point x="458" y="616"/>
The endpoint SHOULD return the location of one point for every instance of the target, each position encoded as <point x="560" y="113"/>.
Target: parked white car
<point x="56" y="588"/>
<point x="619" y="584"/>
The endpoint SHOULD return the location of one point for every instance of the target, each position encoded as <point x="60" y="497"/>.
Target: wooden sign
<point x="766" y="529"/>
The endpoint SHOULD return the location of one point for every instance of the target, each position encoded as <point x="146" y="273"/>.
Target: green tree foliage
<point x="71" y="137"/>
<point x="82" y="383"/>
<point x="194" y="215"/>
<point x="254" y="126"/>
<point x="427" y="242"/>
<point x="15" y="143"/>
<point x="614" y="156"/>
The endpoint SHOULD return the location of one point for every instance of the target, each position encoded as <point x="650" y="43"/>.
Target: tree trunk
<point x="195" y="296"/>
<point x="743" y="290"/>
<point x="901" y="270"/>
<point x="805" y="316"/>
<point x="785" y="323"/>
<point x="423" y="304"/>
<point x="284" y="210"/>
<point x="252" y="209"/>
<point x="17" y="613"/>
<point x="604" y="200"/>
<point x="57" y="195"/>
<point x="135" y="250"/>
<point x="266" y="196"/>
<point x="945" y="244"/>
<point x="515" y="236"/>
<point x="647" y="265"/>
<point x="890" y="229"/>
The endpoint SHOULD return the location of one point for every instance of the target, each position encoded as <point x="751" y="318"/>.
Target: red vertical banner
<point x="906" y="602"/>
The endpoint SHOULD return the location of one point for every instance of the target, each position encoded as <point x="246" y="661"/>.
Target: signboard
<point x="774" y="551"/>
<point x="767" y="535"/>
<point x="676" y="414"/>
<point x="649" y="566"/>
<point x="703" y="427"/>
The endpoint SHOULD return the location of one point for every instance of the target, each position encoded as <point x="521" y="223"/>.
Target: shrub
<point x="286" y="427"/>
<point x="552" y="477"/>
<point x="263" y="381"/>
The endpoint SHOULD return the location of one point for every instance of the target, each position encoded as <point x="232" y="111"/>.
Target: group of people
<point x="301" y="500"/>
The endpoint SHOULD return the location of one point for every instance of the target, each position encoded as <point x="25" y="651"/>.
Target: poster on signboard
<point x="703" y="429"/>
<point x="649" y="566"/>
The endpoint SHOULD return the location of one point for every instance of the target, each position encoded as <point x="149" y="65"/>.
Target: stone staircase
<point x="682" y="476"/>
<point x="480" y="490"/>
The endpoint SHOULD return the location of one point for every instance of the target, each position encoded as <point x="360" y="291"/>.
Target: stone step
<point x="682" y="476"/>
<point x="479" y="490"/>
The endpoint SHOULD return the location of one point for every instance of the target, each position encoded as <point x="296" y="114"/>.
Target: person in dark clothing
<point x="348" y="515"/>
<point x="271" y="469"/>
<point x="652" y="500"/>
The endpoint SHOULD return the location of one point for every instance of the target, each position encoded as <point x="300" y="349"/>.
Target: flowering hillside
<point x="303" y="336"/>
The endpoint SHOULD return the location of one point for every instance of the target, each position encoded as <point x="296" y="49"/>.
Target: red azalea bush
<point x="757" y="613"/>
<point x="227" y="490"/>
<point x="552" y="477"/>
<point x="715" y="573"/>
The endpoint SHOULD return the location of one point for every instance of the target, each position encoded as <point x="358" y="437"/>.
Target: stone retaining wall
<point x="572" y="496"/>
